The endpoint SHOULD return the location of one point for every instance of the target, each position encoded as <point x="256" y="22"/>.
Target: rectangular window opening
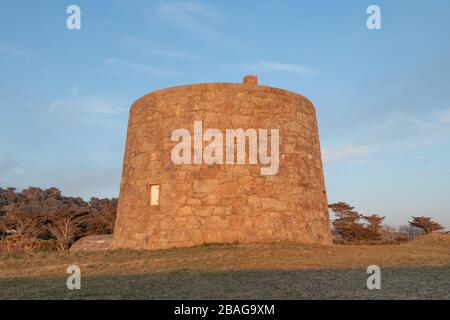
<point x="154" y="194"/>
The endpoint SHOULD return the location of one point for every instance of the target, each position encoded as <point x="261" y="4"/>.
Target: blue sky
<point x="382" y="96"/>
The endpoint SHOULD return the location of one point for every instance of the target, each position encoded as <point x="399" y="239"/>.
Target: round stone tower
<point x="187" y="181"/>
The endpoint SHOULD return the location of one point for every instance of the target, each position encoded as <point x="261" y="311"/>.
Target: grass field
<point x="420" y="269"/>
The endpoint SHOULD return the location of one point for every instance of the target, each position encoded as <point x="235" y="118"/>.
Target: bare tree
<point x="410" y="231"/>
<point x="388" y="232"/>
<point x="66" y="226"/>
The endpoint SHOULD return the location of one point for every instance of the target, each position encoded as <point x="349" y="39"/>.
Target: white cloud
<point x="188" y="15"/>
<point x="92" y="104"/>
<point x="345" y="152"/>
<point x="266" y="66"/>
<point x="137" y="69"/>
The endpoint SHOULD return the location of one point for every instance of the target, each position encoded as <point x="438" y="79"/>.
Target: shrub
<point x="17" y="245"/>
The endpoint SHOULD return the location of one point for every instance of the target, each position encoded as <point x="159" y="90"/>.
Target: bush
<point x="16" y="245"/>
<point x="29" y="217"/>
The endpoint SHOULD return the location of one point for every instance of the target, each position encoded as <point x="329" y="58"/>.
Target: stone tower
<point x="165" y="204"/>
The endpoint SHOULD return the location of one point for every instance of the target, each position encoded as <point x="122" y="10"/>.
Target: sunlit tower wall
<point x="165" y="205"/>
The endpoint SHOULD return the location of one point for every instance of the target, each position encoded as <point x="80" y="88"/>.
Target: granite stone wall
<point x="221" y="203"/>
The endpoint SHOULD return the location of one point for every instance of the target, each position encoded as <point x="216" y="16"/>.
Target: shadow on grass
<point x="397" y="283"/>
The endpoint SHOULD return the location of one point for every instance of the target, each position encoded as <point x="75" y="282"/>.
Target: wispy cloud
<point x="267" y="66"/>
<point x="345" y="152"/>
<point x="93" y="104"/>
<point x="423" y="125"/>
<point x="13" y="51"/>
<point x="435" y="123"/>
<point x="444" y="116"/>
<point x="395" y="134"/>
<point x="147" y="47"/>
<point x="136" y="69"/>
<point x="189" y="15"/>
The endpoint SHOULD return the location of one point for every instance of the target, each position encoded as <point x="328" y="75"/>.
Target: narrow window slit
<point x="154" y="194"/>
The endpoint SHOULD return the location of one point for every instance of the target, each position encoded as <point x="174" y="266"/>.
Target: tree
<point x="374" y="226"/>
<point x="103" y="218"/>
<point x="66" y="226"/>
<point x="388" y="233"/>
<point x="410" y="231"/>
<point x="426" y="224"/>
<point x="8" y="196"/>
<point x="2" y="228"/>
<point x="351" y="225"/>
<point x="33" y="213"/>
<point x="347" y="222"/>
<point x="22" y="225"/>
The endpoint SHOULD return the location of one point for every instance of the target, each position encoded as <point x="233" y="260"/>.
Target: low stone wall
<point x="93" y="243"/>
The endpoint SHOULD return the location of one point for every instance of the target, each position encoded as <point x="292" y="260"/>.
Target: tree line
<point x="352" y="226"/>
<point x="38" y="218"/>
<point x="43" y="218"/>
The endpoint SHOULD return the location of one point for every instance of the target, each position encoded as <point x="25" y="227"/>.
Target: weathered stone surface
<point x="93" y="243"/>
<point x="230" y="203"/>
<point x="184" y="211"/>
